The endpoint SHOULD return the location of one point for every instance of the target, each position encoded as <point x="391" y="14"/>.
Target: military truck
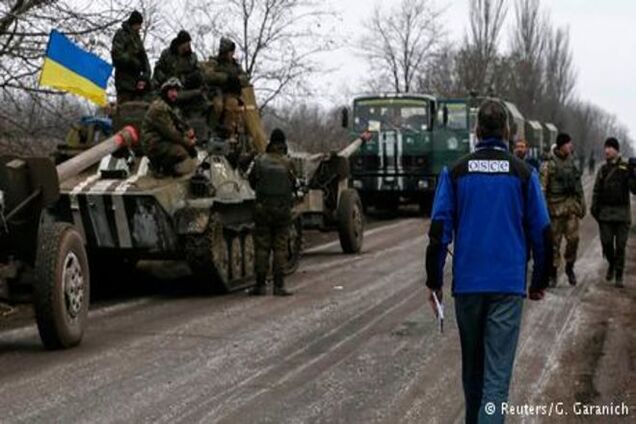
<point x="414" y="136"/>
<point x="42" y="254"/>
<point x="534" y="137"/>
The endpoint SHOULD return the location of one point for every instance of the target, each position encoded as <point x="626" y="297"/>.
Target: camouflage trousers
<point x="271" y="236"/>
<point x="567" y="227"/>
<point x="268" y="239"/>
<point x="614" y="239"/>
<point x="166" y="158"/>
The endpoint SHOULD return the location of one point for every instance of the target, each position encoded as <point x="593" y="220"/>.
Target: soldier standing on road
<point x="166" y="138"/>
<point x="561" y="182"/>
<point x="521" y="151"/>
<point x="178" y="61"/>
<point x="273" y="180"/>
<point x="490" y="203"/>
<point x="132" y="69"/>
<point x="611" y="207"/>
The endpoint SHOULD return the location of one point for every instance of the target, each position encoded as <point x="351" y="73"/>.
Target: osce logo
<point x="489" y="166"/>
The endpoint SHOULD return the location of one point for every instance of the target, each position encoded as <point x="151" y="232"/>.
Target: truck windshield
<point x="391" y="114"/>
<point x="457" y="116"/>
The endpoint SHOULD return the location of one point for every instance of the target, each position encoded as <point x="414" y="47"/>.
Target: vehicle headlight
<point x="452" y="143"/>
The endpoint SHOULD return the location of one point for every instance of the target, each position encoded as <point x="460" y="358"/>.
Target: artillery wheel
<point x="294" y="246"/>
<point x="61" y="290"/>
<point x="350" y="221"/>
<point x="209" y="257"/>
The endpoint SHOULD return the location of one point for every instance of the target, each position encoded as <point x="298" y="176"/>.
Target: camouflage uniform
<point x="561" y="183"/>
<point x="224" y="79"/>
<point x="611" y="208"/>
<point x="131" y="64"/>
<point x="273" y="179"/>
<point x="164" y="139"/>
<point x="172" y="64"/>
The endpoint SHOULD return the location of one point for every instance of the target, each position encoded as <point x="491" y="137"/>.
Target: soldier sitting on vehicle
<point x="225" y="79"/>
<point x="167" y="140"/>
<point x="178" y="61"/>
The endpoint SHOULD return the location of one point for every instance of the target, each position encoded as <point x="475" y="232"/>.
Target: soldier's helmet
<point x="172" y="82"/>
<point x="226" y="45"/>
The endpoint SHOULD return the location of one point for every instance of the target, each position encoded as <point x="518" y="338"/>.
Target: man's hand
<point x="535" y="294"/>
<point x="431" y="299"/>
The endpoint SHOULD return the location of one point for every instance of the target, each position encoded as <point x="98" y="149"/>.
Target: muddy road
<point x="356" y="344"/>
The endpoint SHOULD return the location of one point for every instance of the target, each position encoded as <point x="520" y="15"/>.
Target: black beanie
<point x="563" y="138"/>
<point x="135" y="18"/>
<point x="612" y="142"/>
<point x="183" y="37"/>
<point x="278" y="137"/>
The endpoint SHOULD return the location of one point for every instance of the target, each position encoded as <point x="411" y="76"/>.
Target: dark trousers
<point x="614" y="239"/>
<point x="488" y="330"/>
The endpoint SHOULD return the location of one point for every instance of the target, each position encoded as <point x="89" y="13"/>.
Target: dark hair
<point x="135" y="18"/>
<point x="492" y="120"/>
<point x="613" y="142"/>
<point x="563" y="138"/>
<point x="277" y="141"/>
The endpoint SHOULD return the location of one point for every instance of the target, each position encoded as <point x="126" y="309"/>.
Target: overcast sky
<point x="603" y="38"/>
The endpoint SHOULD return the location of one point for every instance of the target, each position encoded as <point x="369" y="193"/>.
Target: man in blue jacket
<point x="491" y="205"/>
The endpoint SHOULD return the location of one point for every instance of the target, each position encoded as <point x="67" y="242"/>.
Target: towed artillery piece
<point x="42" y="254"/>
<point x="126" y="213"/>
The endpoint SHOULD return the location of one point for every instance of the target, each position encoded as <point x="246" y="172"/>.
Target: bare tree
<point x="527" y="48"/>
<point x="559" y="73"/>
<point x="480" y="53"/>
<point x="277" y="40"/>
<point x="401" y="40"/>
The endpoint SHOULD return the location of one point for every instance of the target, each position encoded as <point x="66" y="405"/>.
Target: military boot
<point x="279" y="286"/>
<point x="569" y="271"/>
<point x="610" y="273"/>
<point x="260" y="289"/>
<point x="619" y="278"/>
<point x="553" y="277"/>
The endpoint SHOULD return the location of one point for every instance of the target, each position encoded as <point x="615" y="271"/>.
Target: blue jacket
<point x="491" y="205"/>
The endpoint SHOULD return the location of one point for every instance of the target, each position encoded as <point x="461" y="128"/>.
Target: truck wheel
<point x="350" y="221"/>
<point x="294" y="246"/>
<point x="62" y="285"/>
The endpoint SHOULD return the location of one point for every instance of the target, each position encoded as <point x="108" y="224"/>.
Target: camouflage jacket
<point x="610" y="199"/>
<point x="561" y="184"/>
<point x="172" y="64"/>
<point x="162" y="124"/>
<point x="129" y="59"/>
<point x="216" y="72"/>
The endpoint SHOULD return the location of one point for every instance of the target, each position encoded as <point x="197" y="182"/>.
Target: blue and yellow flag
<point x="69" y="68"/>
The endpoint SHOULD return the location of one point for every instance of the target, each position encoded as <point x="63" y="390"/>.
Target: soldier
<point x="132" y="69"/>
<point x="178" y="61"/>
<point x="225" y="80"/>
<point x="521" y="151"/>
<point x="273" y="179"/>
<point x="561" y="183"/>
<point x="167" y="140"/>
<point x="611" y="208"/>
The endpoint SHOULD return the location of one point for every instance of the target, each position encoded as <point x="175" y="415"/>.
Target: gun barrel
<point x="128" y="136"/>
<point x="351" y="148"/>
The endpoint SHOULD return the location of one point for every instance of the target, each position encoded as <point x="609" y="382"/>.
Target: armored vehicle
<point x="125" y="212"/>
<point x="42" y="254"/>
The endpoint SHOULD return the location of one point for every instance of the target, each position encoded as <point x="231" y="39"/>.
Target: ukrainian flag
<point x="69" y="68"/>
